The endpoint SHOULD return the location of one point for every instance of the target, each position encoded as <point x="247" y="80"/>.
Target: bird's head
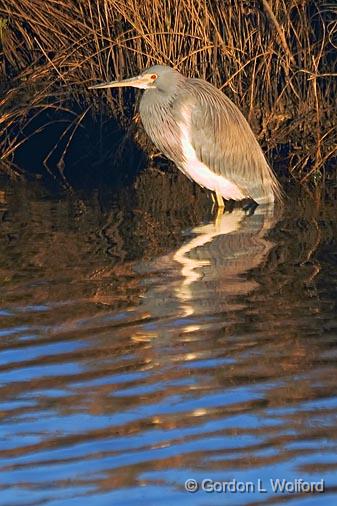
<point x="157" y="77"/>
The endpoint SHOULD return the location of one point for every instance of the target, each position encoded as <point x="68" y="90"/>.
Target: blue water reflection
<point x="214" y="359"/>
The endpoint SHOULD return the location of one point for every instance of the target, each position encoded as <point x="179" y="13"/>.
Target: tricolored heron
<point x="203" y="132"/>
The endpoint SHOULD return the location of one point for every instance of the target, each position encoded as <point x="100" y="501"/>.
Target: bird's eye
<point x="154" y="76"/>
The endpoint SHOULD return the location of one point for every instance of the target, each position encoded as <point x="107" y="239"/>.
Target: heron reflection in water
<point x="203" y="132"/>
<point x="206" y="273"/>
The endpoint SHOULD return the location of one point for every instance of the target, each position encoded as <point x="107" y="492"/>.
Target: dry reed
<point x="276" y="59"/>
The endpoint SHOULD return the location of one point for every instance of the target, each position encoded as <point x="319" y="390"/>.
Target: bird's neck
<point x="159" y="97"/>
<point x="155" y="103"/>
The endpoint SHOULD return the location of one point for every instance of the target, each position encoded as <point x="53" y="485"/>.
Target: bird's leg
<point x="218" y="217"/>
<point x="213" y="202"/>
<point x="219" y="201"/>
<point x="219" y="208"/>
<point x="218" y="204"/>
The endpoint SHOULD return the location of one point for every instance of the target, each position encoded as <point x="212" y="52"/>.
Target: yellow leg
<point x="219" y="200"/>
<point x="213" y="202"/>
<point x="219" y="208"/>
<point x="218" y="217"/>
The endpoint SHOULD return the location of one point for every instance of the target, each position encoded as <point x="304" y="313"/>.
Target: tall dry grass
<point x="276" y="59"/>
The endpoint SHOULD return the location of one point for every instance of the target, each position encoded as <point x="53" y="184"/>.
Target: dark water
<point x="138" y="352"/>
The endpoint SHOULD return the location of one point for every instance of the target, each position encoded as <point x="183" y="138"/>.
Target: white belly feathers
<point x="202" y="175"/>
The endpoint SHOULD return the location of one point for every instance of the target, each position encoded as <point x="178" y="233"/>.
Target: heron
<point x="195" y="125"/>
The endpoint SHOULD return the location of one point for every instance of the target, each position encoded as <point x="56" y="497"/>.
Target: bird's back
<point x="224" y="141"/>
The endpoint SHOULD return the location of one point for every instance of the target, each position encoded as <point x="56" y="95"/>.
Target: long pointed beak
<point x="135" y="82"/>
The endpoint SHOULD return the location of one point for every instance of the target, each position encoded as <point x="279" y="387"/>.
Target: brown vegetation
<point x="276" y="59"/>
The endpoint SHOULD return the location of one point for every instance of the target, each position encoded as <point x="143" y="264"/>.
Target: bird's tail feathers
<point x="269" y="189"/>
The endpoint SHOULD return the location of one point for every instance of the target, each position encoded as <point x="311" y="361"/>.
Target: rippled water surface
<point x="142" y="346"/>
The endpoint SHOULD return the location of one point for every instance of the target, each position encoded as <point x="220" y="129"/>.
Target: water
<point x="142" y="345"/>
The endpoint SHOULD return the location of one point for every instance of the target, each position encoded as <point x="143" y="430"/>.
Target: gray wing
<point x="224" y="141"/>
